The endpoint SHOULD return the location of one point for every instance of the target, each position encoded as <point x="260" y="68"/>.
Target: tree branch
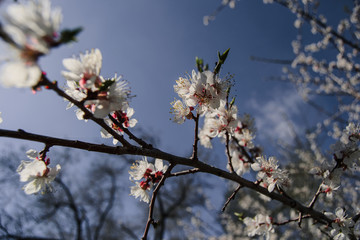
<point x="156" y="153"/>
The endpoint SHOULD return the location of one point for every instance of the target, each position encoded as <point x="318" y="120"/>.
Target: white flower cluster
<point x="269" y="174"/>
<point x="346" y="156"/>
<point x="341" y="224"/>
<point x="203" y="90"/>
<point x="101" y="96"/>
<point x="259" y="225"/>
<point x="37" y="173"/>
<point x="150" y="173"/>
<point x="33" y="30"/>
<point x="206" y="94"/>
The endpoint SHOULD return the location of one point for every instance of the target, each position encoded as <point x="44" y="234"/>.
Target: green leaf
<point x="199" y="64"/>
<point x="221" y="60"/>
<point x="239" y="215"/>
<point x="69" y="35"/>
<point x="105" y="86"/>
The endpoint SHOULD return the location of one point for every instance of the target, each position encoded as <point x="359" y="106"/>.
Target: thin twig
<point x="73" y="207"/>
<point x="291" y="220"/>
<point x="306" y="16"/>
<point x="228" y="151"/>
<point x="152" y="202"/>
<point x="131" y="136"/>
<point x="318" y="192"/>
<point x="108" y="207"/>
<point x="185" y="172"/>
<point x="232" y="197"/>
<point x="196" y="138"/>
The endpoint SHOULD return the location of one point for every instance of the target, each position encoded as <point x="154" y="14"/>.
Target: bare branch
<point x="232" y="197"/>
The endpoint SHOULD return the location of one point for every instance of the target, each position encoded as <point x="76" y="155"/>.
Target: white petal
<point x="17" y="74"/>
<point x="73" y="65"/>
<point x="256" y="167"/>
<point x="34" y="186"/>
<point x="32" y="154"/>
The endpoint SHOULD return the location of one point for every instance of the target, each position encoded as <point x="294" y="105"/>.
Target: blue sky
<point x="152" y="43"/>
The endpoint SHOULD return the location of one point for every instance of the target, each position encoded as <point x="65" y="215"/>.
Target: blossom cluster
<point x="149" y="174"/>
<point x="204" y="93"/>
<point x="269" y="174"/>
<point x="346" y="156"/>
<point x="37" y="173"/>
<point x="99" y="95"/>
<point x="32" y="30"/>
<point x="203" y="90"/>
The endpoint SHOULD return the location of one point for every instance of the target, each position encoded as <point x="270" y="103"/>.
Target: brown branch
<point x="232" y="197"/>
<point x="156" y="153"/>
<point x="152" y="202"/>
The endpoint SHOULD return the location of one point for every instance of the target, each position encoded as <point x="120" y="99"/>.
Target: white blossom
<point x="341" y="224"/>
<point x="138" y="191"/>
<point x="203" y="90"/>
<point x="149" y="174"/>
<point x="259" y="225"/>
<point x="269" y="173"/>
<point x="124" y="118"/>
<point x="18" y="73"/>
<point x="38" y="175"/>
<point x="180" y="111"/>
<point x="33" y="27"/>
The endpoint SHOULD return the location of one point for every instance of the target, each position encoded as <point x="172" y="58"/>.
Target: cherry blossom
<point x="150" y="173"/>
<point x="259" y="225"/>
<point x="341" y="224"/>
<point x="1" y="120"/>
<point x="269" y="173"/>
<point x="239" y="162"/>
<point x="123" y="118"/>
<point x="85" y="70"/>
<point x="180" y="111"/>
<point x="33" y="26"/>
<point x="37" y="173"/>
<point x="84" y="83"/>
<point x="203" y="90"/>
<point x="33" y="29"/>
<point x="220" y="121"/>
